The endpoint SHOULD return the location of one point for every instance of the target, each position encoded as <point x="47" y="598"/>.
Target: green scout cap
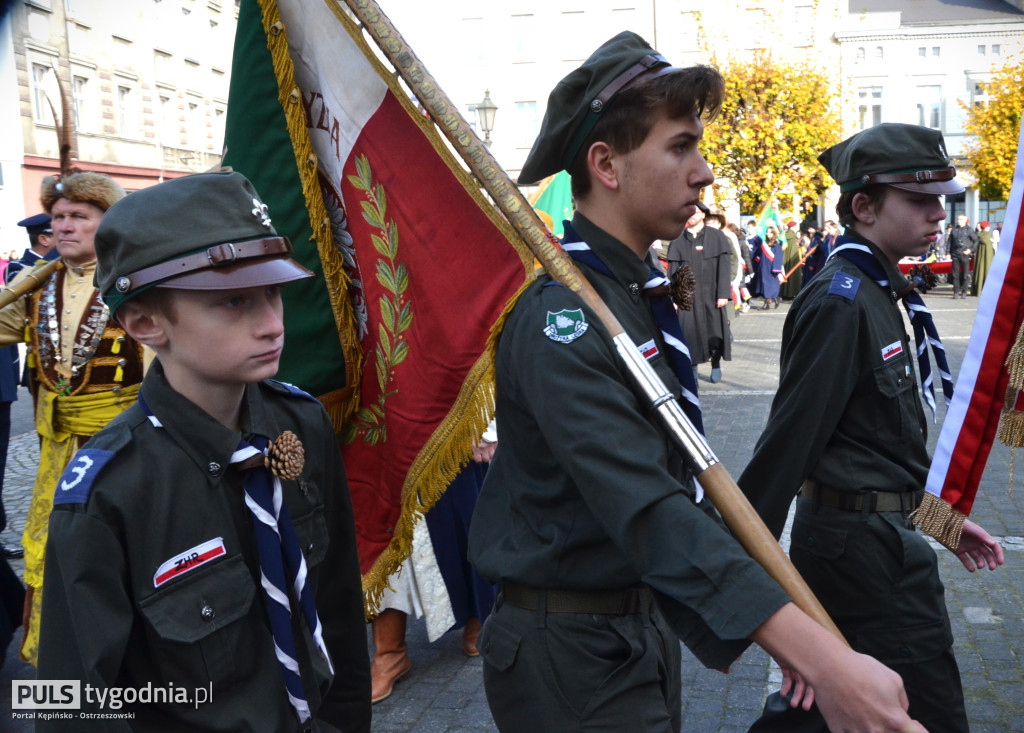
<point x="577" y="101"/>
<point x="208" y="231"/>
<point x="910" y="157"/>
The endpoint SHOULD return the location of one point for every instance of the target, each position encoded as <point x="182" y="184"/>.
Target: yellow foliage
<point x="994" y="130"/>
<point x="776" y="119"/>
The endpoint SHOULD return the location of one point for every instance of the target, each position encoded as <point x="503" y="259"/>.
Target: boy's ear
<point x="601" y="161"/>
<point x="863" y="209"/>
<point x="143" y="323"/>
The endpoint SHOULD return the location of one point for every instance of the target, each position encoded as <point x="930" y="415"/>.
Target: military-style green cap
<point x="208" y="231"/>
<point x="910" y="157"/>
<point x="577" y="101"/>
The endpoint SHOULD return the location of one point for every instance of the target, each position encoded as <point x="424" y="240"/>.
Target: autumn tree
<point x="994" y="127"/>
<point x="776" y="118"/>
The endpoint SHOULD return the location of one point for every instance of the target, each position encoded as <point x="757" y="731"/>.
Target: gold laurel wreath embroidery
<point x="395" y="309"/>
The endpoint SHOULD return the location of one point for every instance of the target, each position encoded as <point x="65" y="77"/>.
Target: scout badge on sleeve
<point x="566" y="326"/>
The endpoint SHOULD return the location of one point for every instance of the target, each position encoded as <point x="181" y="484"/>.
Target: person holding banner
<point x="606" y="551"/>
<point x="847" y="387"/>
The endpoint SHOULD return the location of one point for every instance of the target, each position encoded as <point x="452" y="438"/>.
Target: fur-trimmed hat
<point x="85" y="187"/>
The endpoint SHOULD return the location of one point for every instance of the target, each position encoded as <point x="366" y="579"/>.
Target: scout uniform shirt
<point x="586" y="491"/>
<point x="153" y="578"/>
<point x="847" y="413"/>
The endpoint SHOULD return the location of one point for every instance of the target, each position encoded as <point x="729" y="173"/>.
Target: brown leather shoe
<point x="391" y="655"/>
<point x="470" y="632"/>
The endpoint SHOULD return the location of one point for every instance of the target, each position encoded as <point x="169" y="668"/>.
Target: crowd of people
<point x="191" y="521"/>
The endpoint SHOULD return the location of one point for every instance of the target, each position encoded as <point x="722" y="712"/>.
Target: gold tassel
<point x="1011" y="428"/>
<point x="938" y="519"/>
<point x="1015" y="362"/>
<point x="119" y="374"/>
<point x="115" y="348"/>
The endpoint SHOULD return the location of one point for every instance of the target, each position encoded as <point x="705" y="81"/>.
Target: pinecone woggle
<point x="923" y="278"/>
<point x="286" y="456"/>
<point x="684" y="283"/>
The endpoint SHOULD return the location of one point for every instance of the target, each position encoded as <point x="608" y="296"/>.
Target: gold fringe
<point x="290" y="98"/>
<point x="940" y="520"/>
<point x="1015" y="362"/>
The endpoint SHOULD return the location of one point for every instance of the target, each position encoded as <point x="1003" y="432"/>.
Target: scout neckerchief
<point x="282" y="565"/>
<point x="925" y="333"/>
<point x="664" y="315"/>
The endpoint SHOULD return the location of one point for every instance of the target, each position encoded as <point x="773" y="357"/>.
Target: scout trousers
<point x="879" y="581"/>
<point x="562" y="672"/>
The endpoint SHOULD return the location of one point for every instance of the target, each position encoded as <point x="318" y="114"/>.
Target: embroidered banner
<point x="972" y="418"/>
<point x="417" y="265"/>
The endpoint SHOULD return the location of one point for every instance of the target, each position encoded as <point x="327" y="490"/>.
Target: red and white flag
<point x="424" y="263"/>
<point x="973" y="416"/>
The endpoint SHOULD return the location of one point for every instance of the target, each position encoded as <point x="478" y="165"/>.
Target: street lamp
<point x="485" y="111"/>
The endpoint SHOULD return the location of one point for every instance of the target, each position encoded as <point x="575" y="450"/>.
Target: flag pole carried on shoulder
<point x="737" y="512"/>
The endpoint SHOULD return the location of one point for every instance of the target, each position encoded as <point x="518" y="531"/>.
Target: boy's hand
<point x="802" y="694"/>
<point x="865" y="696"/>
<point x="978" y="548"/>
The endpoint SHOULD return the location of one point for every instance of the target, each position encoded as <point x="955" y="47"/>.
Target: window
<point x="754" y="20"/>
<point x="922" y="51"/>
<point x="689" y="31"/>
<point x="195" y="126"/>
<point x="524" y="39"/>
<point x="979" y="95"/>
<point x="996" y="49"/>
<point x="125" y="111"/>
<point x="869" y="107"/>
<point x="526" y="123"/>
<point x="935" y="51"/>
<point x="929" y="108"/>
<point x="219" y="119"/>
<point x="860" y="53"/>
<point x="168" y="126"/>
<point x="879" y="53"/>
<point x="981" y="50"/>
<point x="42" y="108"/>
<point x="80" y="96"/>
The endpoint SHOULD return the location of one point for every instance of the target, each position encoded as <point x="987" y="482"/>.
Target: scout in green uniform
<point x="181" y="557"/>
<point x="848" y="424"/>
<point x="588" y="518"/>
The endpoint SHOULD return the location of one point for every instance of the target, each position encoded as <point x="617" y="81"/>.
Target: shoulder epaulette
<point x="76" y="482"/>
<point x="290" y="389"/>
<point x="845" y="285"/>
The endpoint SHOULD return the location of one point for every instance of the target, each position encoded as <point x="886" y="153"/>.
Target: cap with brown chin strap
<point x="208" y="231"/>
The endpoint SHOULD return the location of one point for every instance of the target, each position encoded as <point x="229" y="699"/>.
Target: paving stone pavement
<point x="445" y="690"/>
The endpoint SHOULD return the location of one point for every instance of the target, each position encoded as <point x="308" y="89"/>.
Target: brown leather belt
<point x="868" y="501"/>
<point x="605" y="602"/>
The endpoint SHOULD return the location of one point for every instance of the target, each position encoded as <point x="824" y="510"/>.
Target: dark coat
<point x="705" y="325"/>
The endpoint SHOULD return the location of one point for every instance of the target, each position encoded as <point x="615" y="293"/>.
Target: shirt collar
<point x="204" y="439"/>
<point x="627" y="268"/>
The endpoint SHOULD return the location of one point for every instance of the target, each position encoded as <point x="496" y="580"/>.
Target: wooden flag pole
<point x="720" y="487"/>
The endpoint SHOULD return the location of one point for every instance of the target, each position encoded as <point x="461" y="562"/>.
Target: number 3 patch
<point x="844" y="285"/>
<point x="76" y="481"/>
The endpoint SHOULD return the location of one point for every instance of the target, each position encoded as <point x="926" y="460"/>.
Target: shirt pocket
<point x="311" y="531"/>
<point x="895" y="382"/>
<point x="201" y="629"/>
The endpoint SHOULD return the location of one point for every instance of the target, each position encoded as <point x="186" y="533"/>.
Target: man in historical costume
<point x="708" y="254"/>
<point x="982" y="257"/>
<point x="85" y="370"/>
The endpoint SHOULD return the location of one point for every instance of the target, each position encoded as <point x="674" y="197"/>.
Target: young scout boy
<point x="178" y="560"/>
<point x="847" y="423"/>
<point x="588" y="517"/>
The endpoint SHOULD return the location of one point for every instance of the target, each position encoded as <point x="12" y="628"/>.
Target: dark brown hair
<point x="844" y="207"/>
<point x="630" y="115"/>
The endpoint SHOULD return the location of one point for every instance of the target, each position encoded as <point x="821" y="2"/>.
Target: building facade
<point x="148" y="85"/>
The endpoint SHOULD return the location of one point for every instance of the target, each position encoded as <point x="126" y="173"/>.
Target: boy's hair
<point x="630" y="115"/>
<point x="844" y="207"/>
<point x="159" y="300"/>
